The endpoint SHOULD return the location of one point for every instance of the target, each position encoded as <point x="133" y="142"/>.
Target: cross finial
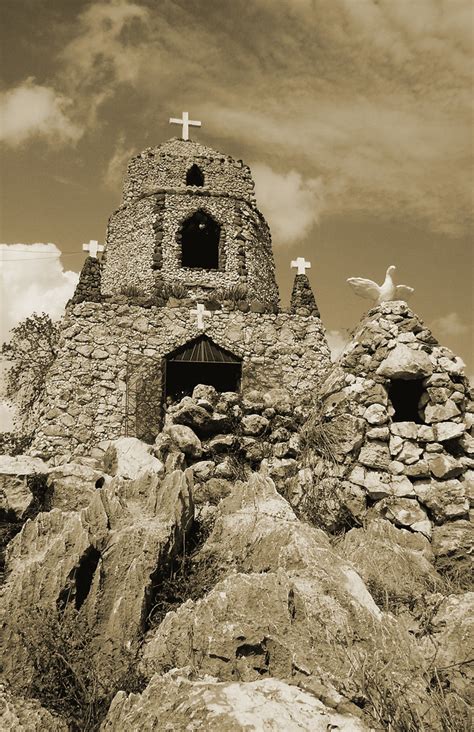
<point x="186" y="123"/>
<point x="200" y="311"/>
<point x="301" y="264"/>
<point x="93" y="247"/>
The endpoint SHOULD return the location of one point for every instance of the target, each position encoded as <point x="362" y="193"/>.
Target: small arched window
<point x="200" y="236"/>
<point x="194" y="176"/>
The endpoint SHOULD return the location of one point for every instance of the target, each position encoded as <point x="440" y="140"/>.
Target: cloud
<point x="33" y="280"/>
<point x="31" y="110"/>
<point x="117" y="165"/>
<point x="449" y="325"/>
<point x="292" y="204"/>
<point x="337" y="341"/>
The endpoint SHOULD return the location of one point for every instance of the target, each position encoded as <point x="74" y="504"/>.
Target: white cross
<point x="301" y="264"/>
<point x="200" y="311"/>
<point x="93" y="247"/>
<point x="186" y="122"/>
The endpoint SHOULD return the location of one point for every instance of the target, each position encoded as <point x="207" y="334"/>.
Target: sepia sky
<point x="355" y="117"/>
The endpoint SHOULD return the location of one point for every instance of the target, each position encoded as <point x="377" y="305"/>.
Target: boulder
<point x="265" y="704"/>
<point x="453" y="545"/>
<point x="445" y="500"/>
<point x="185" y="439"/>
<point x="203" y="422"/>
<point x="203" y="470"/>
<point x="73" y="485"/>
<point x="15" y="474"/>
<point x="254" y="425"/>
<point x="206" y="392"/>
<point x="130" y="458"/>
<point x="405" y="363"/>
<point x="221" y="443"/>
<point x="18" y="714"/>
<point x="408" y="430"/>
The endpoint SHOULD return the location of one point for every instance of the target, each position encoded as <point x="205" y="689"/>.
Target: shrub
<point x="234" y="293"/>
<point x="66" y="678"/>
<point x="132" y="291"/>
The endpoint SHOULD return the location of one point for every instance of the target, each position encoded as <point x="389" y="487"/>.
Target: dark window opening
<point x="200" y="242"/>
<point x="201" y="362"/>
<point x="405" y="398"/>
<point x="194" y="176"/>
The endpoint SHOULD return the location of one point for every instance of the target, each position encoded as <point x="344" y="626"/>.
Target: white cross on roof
<point x="93" y="247"/>
<point x="200" y="311"/>
<point x="186" y="123"/>
<point x="301" y="264"/>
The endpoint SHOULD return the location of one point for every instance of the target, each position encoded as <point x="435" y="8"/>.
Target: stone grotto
<point x="216" y="527"/>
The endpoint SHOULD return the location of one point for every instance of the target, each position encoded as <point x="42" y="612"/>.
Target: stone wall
<point x="107" y="349"/>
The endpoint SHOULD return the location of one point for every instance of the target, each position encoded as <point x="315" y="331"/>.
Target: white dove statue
<point x="380" y="293"/>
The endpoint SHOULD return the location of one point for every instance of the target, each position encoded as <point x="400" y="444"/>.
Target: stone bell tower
<point x="189" y="218"/>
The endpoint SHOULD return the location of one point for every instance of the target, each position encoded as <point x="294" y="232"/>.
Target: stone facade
<point x="108" y="353"/>
<point x="144" y="237"/>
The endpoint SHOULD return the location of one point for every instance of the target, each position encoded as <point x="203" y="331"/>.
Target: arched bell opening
<point x="200" y="361"/>
<point x="194" y="176"/>
<point x="200" y="236"/>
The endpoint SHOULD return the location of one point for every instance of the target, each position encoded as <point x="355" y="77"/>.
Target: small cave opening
<point x="200" y="237"/>
<point x="194" y="176"/>
<point x="80" y="580"/>
<point x="405" y="398"/>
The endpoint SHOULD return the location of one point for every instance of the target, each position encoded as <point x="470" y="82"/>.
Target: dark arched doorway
<point x="200" y="361"/>
<point x="200" y="236"/>
<point x="194" y="176"/>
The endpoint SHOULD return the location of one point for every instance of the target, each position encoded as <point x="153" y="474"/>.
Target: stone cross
<point x="301" y="264"/>
<point x="93" y="247"/>
<point x="200" y="311"/>
<point x="186" y="123"/>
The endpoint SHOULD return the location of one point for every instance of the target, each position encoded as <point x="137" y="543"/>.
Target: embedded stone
<point x="395" y="445"/>
<point x="378" y="433"/>
<point x="410" y="452"/>
<point x="420" y="469"/>
<point x="441" y="412"/>
<point x="405" y="512"/>
<point x="376" y="414"/>
<point x="405" y="363"/>
<point x="375" y="455"/>
<point x="221" y="443"/>
<point x="379" y="485"/>
<point x="446" y="500"/>
<point x="445" y="466"/>
<point x="425" y="433"/>
<point x="409" y="430"/>
<point x="396" y="467"/>
<point x="448" y="430"/>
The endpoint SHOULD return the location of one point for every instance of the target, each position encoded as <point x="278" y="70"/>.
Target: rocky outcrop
<point x="104" y="560"/>
<point x="16" y="476"/>
<point x="18" y="714"/>
<point x="312" y="606"/>
<point x="129" y="457"/>
<point x="232" y="706"/>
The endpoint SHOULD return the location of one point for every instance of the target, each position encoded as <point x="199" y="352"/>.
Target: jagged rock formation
<point x="18" y="714"/>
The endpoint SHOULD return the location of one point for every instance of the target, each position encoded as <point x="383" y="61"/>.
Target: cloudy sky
<point x="354" y="115"/>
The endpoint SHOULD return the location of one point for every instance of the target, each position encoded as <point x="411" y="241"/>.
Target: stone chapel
<point x="184" y="293"/>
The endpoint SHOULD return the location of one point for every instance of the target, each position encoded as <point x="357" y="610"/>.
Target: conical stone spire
<point x="303" y="301"/>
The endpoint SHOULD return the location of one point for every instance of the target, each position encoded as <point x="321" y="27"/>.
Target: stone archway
<point x="200" y="361"/>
